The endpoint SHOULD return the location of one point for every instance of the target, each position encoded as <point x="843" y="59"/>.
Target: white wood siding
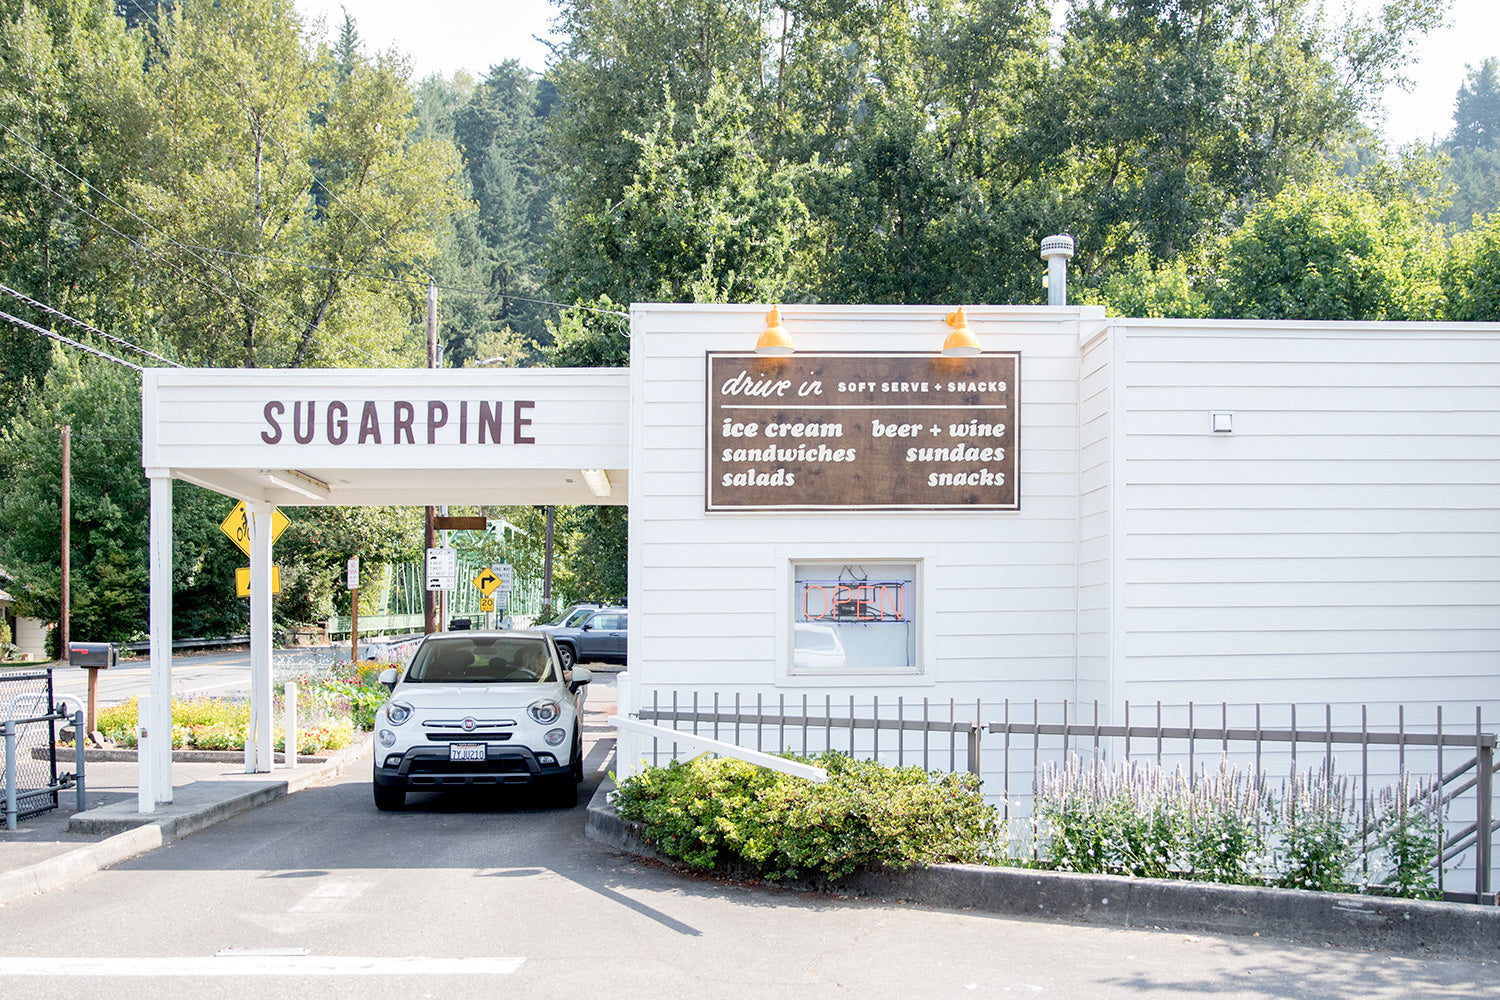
<point x="708" y="593"/>
<point x="1341" y="545"/>
<point x="1096" y="539"/>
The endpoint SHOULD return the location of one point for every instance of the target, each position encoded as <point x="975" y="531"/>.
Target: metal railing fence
<point x="812" y="733"/>
<point x="949" y="735"/>
<point x="1474" y="771"/>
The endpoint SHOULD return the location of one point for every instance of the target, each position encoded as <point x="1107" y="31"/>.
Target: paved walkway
<point x="65" y="843"/>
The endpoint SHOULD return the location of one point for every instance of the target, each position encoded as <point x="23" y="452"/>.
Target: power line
<point x="404" y="281"/>
<point x="213" y="268"/>
<point x="81" y="324"/>
<point x="69" y="341"/>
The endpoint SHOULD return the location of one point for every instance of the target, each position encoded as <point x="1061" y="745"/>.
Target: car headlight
<point x="386" y="738"/>
<point x="398" y="712"/>
<point x="545" y="712"/>
<point x="555" y="736"/>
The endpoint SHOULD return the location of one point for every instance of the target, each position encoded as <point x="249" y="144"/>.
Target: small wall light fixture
<point x="961" y="343"/>
<point x="1222" y="421"/>
<point x="598" y="482"/>
<point x="775" y="340"/>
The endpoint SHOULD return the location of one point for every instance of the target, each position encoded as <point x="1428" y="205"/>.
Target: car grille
<point x="503" y="765"/>
<point x="477" y="736"/>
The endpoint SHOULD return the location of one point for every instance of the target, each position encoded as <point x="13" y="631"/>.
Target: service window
<point x="854" y="617"/>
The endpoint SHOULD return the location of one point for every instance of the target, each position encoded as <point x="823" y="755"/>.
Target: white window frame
<point x="787" y="562"/>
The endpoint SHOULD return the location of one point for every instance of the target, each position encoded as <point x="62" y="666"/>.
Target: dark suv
<point x="599" y="638"/>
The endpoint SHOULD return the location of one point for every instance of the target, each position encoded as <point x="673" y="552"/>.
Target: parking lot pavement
<point x="65" y="843"/>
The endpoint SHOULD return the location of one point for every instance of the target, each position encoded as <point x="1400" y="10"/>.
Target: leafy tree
<point x="283" y="190"/>
<point x="1334" y="250"/>
<point x="70" y="116"/>
<point x="1474" y="146"/>
<point x="1476" y="109"/>
<point x="1148" y="289"/>
<point x="317" y="545"/>
<point x="940" y="142"/>
<point x="108" y="493"/>
<point x="499" y="129"/>
<point x="589" y="550"/>
<point x="589" y="336"/>
<point x="706" y="219"/>
<point x="1471" y="275"/>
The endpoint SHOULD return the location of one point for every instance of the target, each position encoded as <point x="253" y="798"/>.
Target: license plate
<point x="466" y="751"/>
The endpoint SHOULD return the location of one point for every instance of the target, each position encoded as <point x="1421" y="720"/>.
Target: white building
<point x="1225" y="512"/>
<point x="1222" y="522"/>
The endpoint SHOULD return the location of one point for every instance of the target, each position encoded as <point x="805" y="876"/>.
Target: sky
<point x="449" y="35"/>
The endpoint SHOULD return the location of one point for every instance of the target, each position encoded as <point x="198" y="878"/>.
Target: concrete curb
<point x="146" y="833"/>
<point x="95" y="755"/>
<point x="1456" y="930"/>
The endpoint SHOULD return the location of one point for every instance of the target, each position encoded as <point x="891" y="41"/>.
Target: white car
<point x="480" y="709"/>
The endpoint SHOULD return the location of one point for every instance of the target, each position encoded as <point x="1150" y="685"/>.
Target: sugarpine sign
<point x="869" y="431"/>
<point x="399" y="421"/>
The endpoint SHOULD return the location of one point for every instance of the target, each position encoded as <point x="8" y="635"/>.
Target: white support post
<point x="259" y="744"/>
<point x="145" y="796"/>
<point x="154" y="760"/>
<point x="627" y="743"/>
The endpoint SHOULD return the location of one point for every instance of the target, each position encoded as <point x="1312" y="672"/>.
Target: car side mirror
<point x="388" y="678"/>
<point x="581" y="676"/>
<point x="586" y="626"/>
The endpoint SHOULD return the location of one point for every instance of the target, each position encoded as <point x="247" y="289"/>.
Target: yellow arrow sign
<point x="486" y="581"/>
<point x="242" y="580"/>
<point x="237" y="526"/>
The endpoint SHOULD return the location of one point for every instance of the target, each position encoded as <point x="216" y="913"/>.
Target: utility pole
<point x="429" y="605"/>
<point x="547" y="568"/>
<point x="64" y="598"/>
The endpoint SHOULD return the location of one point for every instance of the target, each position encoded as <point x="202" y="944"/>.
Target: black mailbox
<point x="93" y="654"/>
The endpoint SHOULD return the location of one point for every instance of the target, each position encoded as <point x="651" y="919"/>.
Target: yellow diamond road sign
<point x="486" y="581"/>
<point x="237" y="526"/>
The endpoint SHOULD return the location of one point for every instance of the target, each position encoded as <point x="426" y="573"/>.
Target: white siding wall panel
<point x="706" y="588"/>
<point x="1342" y="545"/>
<point x="1096" y="549"/>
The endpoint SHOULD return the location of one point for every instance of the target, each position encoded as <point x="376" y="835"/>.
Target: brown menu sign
<point x="862" y="432"/>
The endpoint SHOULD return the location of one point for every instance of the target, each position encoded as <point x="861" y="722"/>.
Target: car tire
<point x="566" y="656"/>
<point x="389" y="798"/>
<point x="577" y="757"/>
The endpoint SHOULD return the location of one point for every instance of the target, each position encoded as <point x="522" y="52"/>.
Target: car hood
<point x="469" y="697"/>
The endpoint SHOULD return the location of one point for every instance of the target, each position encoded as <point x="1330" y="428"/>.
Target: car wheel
<point x="577" y="757"/>
<point x="389" y="798"/>
<point x="565" y="656"/>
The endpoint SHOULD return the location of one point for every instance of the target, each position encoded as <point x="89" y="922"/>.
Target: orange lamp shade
<point x="961" y="343"/>
<point x="775" y="340"/>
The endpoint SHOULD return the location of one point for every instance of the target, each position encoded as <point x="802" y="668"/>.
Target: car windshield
<point x="576" y="617"/>
<point x="481" y="659"/>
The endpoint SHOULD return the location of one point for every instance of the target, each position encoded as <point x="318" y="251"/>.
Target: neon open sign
<point x="853" y="601"/>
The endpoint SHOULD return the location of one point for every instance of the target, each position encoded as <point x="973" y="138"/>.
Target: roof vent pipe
<point x="1057" y="251"/>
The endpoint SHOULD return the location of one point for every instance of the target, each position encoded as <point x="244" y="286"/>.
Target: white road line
<point x="256" y="965"/>
<point x="331" y="897"/>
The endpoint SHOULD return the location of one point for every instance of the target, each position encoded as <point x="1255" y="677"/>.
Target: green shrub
<point x="728" y="813"/>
